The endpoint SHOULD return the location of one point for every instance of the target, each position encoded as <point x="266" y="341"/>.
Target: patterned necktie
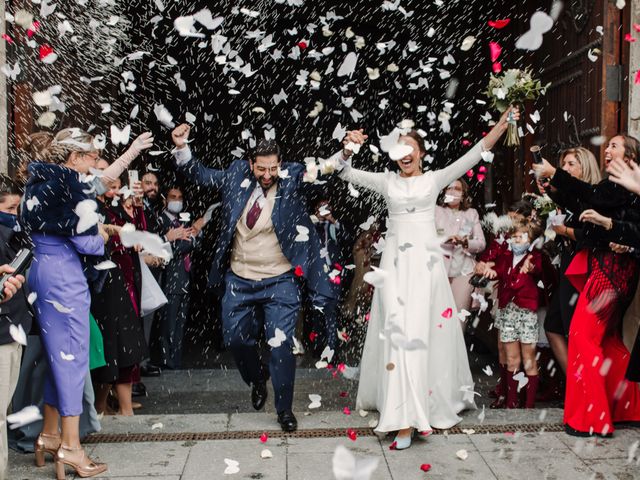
<point x="254" y="212"/>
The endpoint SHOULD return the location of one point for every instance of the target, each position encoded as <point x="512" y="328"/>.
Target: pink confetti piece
<point x="495" y="50"/>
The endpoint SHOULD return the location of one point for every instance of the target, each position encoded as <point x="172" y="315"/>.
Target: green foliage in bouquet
<point x="513" y="87"/>
<point x="544" y="205"/>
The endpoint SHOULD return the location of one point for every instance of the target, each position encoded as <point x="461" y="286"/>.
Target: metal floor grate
<point x="312" y="433"/>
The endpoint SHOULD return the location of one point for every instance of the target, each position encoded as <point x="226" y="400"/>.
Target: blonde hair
<point x="67" y="142"/>
<point x="33" y="150"/>
<point x="587" y="160"/>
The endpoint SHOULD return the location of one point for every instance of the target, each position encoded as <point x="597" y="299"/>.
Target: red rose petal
<point x="636" y="27"/>
<point x="351" y="433"/>
<point x="367" y="317"/>
<point x="298" y="271"/>
<point x="337" y="266"/>
<point x="344" y="394"/>
<point x="447" y="313"/>
<point x="313" y="336"/>
<point x="629" y="38"/>
<point x="264" y="437"/>
<point x="482" y="169"/>
<point x="7" y="38"/>
<point x="346" y="411"/>
<point x="425" y="467"/>
<point x="45" y="51"/>
<point x="302" y="44"/>
<point x="336" y="280"/>
<point x="499" y="23"/>
<point x="393" y="445"/>
<point x="637" y="79"/>
<point x="466" y="143"/>
<point x="495" y="49"/>
<point x="480" y="177"/>
<point x="341" y="367"/>
<point x="496" y="67"/>
<point x="470" y="173"/>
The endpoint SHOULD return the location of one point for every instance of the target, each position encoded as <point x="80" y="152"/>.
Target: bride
<point x="414" y="368"/>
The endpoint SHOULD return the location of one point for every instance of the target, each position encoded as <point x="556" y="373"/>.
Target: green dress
<point x="96" y="345"/>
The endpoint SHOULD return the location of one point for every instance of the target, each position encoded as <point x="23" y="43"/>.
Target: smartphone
<point x="537" y="155"/>
<point x="20" y="263"/>
<point x="133" y="178"/>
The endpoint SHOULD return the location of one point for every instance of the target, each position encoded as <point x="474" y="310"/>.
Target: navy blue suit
<point x="250" y="305"/>
<point x="337" y="240"/>
<point x="175" y="284"/>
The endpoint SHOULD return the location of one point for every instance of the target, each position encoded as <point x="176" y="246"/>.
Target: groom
<point x="267" y="247"/>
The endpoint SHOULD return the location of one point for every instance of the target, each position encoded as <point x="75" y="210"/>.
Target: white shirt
<point x="517" y="258"/>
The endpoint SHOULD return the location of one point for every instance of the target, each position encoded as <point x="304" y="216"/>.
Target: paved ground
<point x="511" y="454"/>
<point x="215" y="403"/>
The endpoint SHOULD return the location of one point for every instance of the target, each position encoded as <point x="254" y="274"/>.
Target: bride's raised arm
<point x="375" y="181"/>
<point x="469" y="160"/>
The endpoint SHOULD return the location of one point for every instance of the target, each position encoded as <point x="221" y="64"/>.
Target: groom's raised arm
<point x="189" y="166"/>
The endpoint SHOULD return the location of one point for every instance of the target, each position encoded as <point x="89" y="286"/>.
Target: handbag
<point x="151" y="295"/>
<point x="479" y="281"/>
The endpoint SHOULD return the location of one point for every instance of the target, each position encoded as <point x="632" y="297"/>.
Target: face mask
<point x="174" y="206"/>
<point x="520" y="248"/>
<point x="9" y="220"/>
<point x="100" y="188"/>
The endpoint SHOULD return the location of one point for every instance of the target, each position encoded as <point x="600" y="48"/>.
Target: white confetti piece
<point x="18" y="334"/>
<point x="277" y="340"/>
<point x="348" y="65"/>
<point x="157" y="426"/>
<point x="316" y="401"/>
<point x="59" y="307"/>
<point x="369" y="223"/>
<point x="106" y="265"/>
<point x="303" y="234"/>
<point x="541" y="23"/>
<point x="376" y="277"/>
<point x="120" y="137"/>
<point x="87" y="214"/>
<point x="232" y="466"/>
<point x="24" y="417"/>
<point x="69" y="357"/>
<point x="462" y="454"/>
<point x="266" y="453"/>
<point x="347" y="467"/>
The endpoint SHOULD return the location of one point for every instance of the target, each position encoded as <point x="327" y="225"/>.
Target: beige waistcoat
<point x="256" y="252"/>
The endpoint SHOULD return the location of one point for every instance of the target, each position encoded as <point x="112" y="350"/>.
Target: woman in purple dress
<point x="60" y="215"/>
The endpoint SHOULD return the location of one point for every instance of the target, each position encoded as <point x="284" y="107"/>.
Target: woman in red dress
<point x="598" y="395"/>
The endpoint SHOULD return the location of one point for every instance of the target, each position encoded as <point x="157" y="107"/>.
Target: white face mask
<point x="175" y="206"/>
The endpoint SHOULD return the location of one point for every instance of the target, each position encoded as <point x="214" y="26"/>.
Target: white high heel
<point x="402" y="443"/>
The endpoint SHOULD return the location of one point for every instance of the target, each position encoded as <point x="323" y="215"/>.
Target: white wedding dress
<point x="414" y="370"/>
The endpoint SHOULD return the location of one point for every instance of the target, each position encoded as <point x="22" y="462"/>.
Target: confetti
<point x="278" y="338"/>
<point x="347" y="467"/>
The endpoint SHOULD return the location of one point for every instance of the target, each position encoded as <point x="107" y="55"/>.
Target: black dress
<point x="563" y="301"/>
<point x="124" y="343"/>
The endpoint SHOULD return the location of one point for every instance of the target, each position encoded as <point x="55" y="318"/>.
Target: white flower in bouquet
<point x="513" y="87"/>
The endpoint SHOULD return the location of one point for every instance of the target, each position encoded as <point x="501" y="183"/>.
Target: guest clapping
<point x="459" y="223"/>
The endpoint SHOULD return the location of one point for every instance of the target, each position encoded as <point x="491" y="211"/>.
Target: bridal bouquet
<point x="544" y="205"/>
<point x="513" y="87"/>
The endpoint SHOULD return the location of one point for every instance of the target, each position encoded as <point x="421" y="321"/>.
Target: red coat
<point x="513" y="286"/>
